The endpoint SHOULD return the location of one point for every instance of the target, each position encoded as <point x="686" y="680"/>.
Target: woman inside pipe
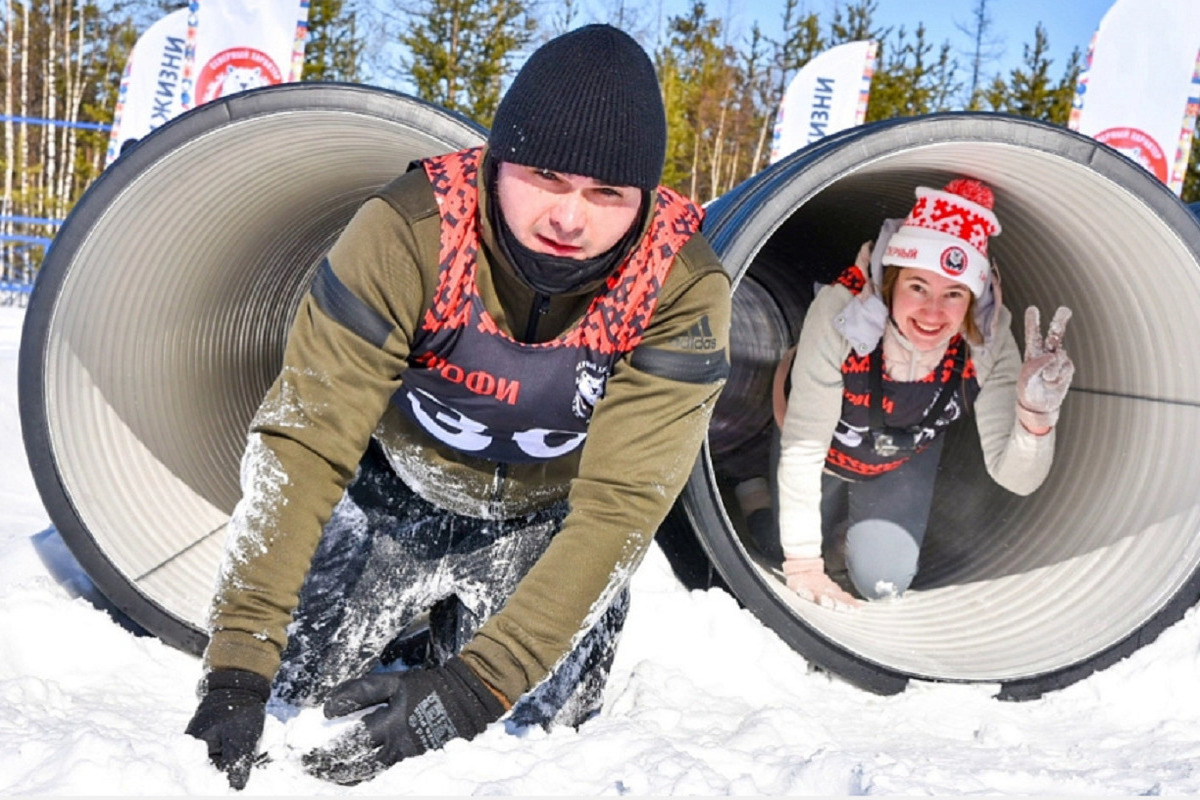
<point x="906" y="342"/>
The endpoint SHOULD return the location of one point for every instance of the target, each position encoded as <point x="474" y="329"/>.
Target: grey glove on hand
<point x="1047" y="371"/>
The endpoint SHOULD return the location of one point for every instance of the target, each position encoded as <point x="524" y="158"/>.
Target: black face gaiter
<point x="556" y="274"/>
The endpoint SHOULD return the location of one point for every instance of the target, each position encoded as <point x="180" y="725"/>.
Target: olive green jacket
<point x="333" y="393"/>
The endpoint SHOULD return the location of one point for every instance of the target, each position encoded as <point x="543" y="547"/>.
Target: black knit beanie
<point x="587" y="103"/>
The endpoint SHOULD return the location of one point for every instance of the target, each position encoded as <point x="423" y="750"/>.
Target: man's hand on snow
<point x="230" y="720"/>
<point x="419" y="710"/>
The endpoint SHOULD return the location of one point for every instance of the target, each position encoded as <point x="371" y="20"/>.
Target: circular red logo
<point x="235" y="70"/>
<point x="1139" y="146"/>
<point x="954" y="261"/>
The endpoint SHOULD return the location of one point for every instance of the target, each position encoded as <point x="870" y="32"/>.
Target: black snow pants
<point x="387" y="558"/>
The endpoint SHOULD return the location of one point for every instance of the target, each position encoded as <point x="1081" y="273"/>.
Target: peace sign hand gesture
<point x="1046" y="374"/>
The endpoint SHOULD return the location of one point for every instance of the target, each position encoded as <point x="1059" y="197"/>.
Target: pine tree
<point x="460" y="51"/>
<point x="911" y="80"/>
<point x="1191" y="178"/>
<point x="1030" y="91"/>
<point x="985" y="49"/>
<point x="802" y="43"/>
<point x="911" y="76"/>
<point x="699" y="85"/>
<point x="855" y="23"/>
<point x="334" y="47"/>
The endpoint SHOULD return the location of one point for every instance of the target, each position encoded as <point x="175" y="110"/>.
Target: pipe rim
<point x="739" y="237"/>
<point x="60" y="496"/>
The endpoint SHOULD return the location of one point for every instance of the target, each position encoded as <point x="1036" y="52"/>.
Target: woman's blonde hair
<point x="970" y="328"/>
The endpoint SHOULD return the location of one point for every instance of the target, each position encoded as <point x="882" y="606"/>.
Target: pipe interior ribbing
<point x="163" y="320"/>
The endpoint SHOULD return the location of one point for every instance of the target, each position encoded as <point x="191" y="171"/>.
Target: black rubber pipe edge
<point x="1085" y="227"/>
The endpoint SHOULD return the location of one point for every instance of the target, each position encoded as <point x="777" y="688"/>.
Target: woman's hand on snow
<point x="806" y="577"/>
<point x="1046" y="374"/>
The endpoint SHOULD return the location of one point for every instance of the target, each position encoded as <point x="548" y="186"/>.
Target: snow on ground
<point x="704" y="700"/>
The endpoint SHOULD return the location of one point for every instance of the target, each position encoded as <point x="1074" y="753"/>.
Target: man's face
<point x="565" y="215"/>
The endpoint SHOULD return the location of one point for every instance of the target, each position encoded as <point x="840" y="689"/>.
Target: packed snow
<point x="703" y="700"/>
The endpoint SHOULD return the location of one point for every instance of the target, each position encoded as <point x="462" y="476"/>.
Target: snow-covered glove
<point x="419" y="710"/>
<point x="806" y="577"/>
<point x="1047" y="371"/>
<point x="230" y="720"/>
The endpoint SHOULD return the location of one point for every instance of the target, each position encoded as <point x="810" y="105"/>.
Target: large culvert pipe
<point x="1030" y="593"/>
<point x="159" y="316"/>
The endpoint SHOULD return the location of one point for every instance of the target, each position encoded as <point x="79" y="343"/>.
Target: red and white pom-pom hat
<point x="947" y="232"/>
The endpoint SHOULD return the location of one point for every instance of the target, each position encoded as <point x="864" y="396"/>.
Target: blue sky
<point x="1068" y="23"/>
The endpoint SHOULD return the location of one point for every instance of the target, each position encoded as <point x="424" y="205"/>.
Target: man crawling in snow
<point x="489" y="400"/>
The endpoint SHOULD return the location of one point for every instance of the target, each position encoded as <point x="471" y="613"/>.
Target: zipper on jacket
<point x="541" y="304"/>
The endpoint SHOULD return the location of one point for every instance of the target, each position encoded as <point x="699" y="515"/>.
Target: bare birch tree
<point x="6" y="203"/>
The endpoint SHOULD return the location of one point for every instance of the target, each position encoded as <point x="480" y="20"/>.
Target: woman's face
<point x="928" y="308"/>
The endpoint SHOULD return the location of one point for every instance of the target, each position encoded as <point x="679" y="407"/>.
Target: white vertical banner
<point x="151" y="84"/>
<point x="1139" y="92"/>
<point x="236" y="45"/>
<point x="827" y="95"/>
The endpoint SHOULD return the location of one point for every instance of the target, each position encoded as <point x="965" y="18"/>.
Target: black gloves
<point x="422" y="709"/>
<point x="419" y="710"/>
<point x="230" y="719"/>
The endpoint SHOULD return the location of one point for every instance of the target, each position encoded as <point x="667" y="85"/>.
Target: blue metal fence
<point x="13" y="293"/>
